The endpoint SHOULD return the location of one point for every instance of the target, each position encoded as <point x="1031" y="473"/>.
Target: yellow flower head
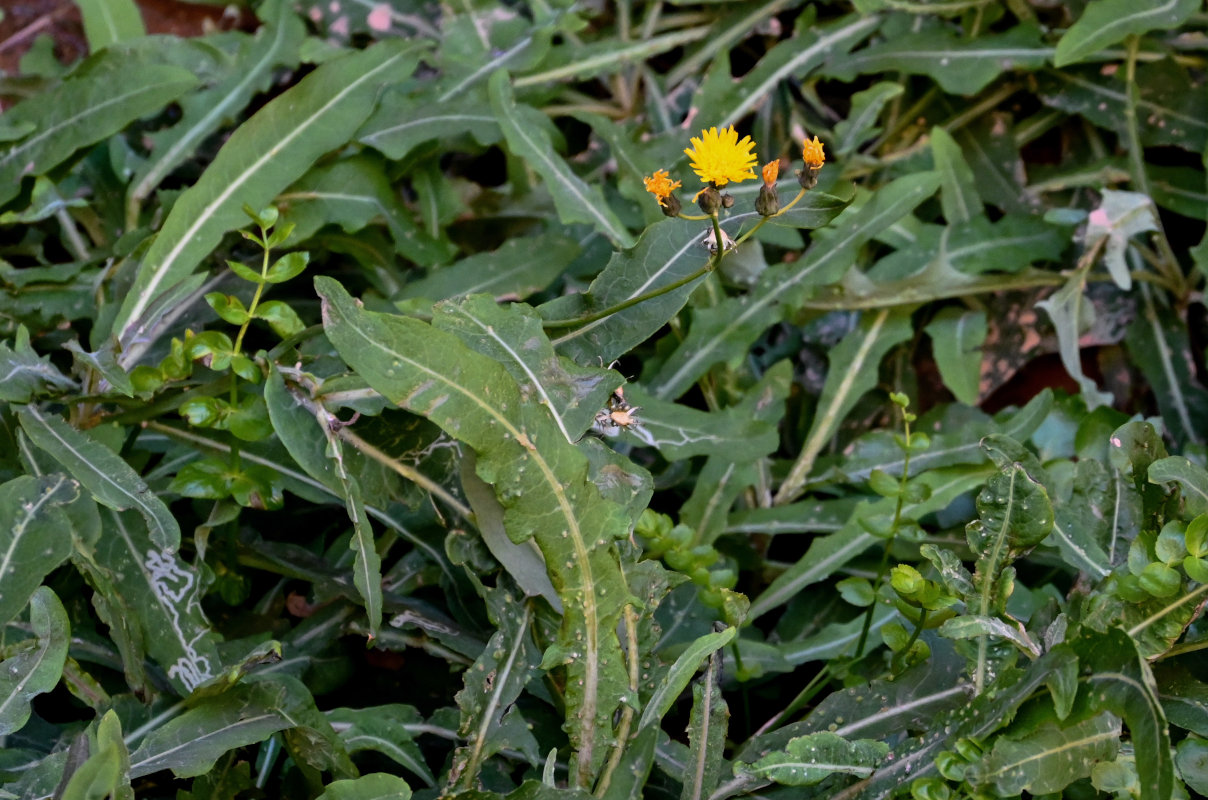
<point x="719" y="157"/>
<point x="771" y="171"/>
<point x="661" y="186"/>
<point x="812" y="153"/>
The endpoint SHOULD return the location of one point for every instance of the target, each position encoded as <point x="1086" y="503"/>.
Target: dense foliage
<point x="445" y="399"/>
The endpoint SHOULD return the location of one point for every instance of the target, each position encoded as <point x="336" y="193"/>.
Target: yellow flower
<point x="812" y="153"/>
<point x="661" y="186"/>
<point x="771" y="171"/>
<point x="719" y="157"/>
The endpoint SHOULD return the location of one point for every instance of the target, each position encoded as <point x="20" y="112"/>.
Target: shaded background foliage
<point x="314" y="316"/>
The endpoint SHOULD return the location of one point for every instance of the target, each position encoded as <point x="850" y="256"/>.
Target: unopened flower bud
<point x="671" y="206"/>
<point x="768" y="202"/>
<point x="727" y="201"/>
<point x="709" y="200"/>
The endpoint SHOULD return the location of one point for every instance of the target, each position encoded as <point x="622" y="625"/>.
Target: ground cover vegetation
<point x="632" y="400"/>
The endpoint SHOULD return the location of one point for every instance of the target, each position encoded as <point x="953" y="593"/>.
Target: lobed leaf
<point x="539" y="477"/>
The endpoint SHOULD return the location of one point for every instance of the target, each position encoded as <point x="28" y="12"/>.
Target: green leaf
<point x="267" y="153"/>
<point x="106" y="772"/>
<point x="956" y="340"/>
<point x="861" y="122"/>
<point x="104" y="363"/>
<point x="509" y="272"/>
<point x="288" y="266"/>
<point x="1117" y="678"/>
<point x="192" y="742"/>
<point x="539" y="477"/>
<point x="108" y="22"/>
<point x="35" y="536"/>
<point x="855" y="365"/>
<point x="575" y="200"/>
<point x="1107" y="22"/>
<point x="706" y="734"/>
<point x="35" y="669"/>
<point x="385" y="729"/>
<point x="958" y="191"/>
<point x="1159" y="343"/>
<point x="112" y="481"/>
<point x="1072" y="315"/>
<point x="827" y="554"/>
<point x="104" y="95"/>
<point x="248" y="72"/>
<point x="402" y="123"/>
<point x="679" y="432"/>
<point x="1014" y="515"/>
<point x="1048" y="759"/>
<point x="375" y="786"/>
<point x="1191" y="478"/>
<point x="1089" y="525"/>
<point x="809" y="759"/>
<point x="958" y="64"/>
<point x="489" y="723"/>
<point x="25" y="373"/>
<point x="512" y="336"/>
<point x="353" y="193"/>
<point x="791" y="59"/>
<point x="281" y="317"/>
<point x="725" y="331"/>
<point x="971" y="627"/>
<point x="1191" y="757"/>
<point x="153" y="599"/>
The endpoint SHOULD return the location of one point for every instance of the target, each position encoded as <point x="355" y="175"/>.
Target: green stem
<point x="1169" y="265"/>
<point x="897" y="521"/>
<point x="711" y="265"/>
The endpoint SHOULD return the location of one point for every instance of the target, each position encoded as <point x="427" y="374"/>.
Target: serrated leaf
<point x="725" y="331"/>
<point x="24" y="374"/>
<point x="190" y="743"/>
<point x="535" y="472"/>
<point x="956" y="340"/>
<point x="108" y="22"/>
<point x="959" y="65"/>
<point x="36" y="670"/>
<point x="103" y="96"/>
<point x="267" y="153"/>
<point x="809" y="759"/>
<point x="35" y="536"/>
<point x="112" y="481"/>
<point x="1107" y="22"/>
<point x="1049" y="759"/>
<point x="526" y="137"/>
